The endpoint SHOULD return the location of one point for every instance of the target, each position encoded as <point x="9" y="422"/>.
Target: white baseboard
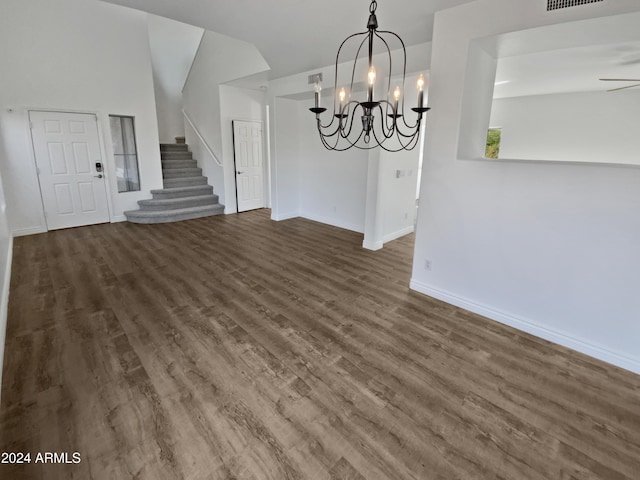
<point x="278" y="217"/>
<point x="28" y="231"/>
<point x="552" y="335"/>
<point x="400" y="233"/>
<point x="4" y="305"/>
<point x="334" y="223"/>
<point x="118" y="218"/>
<point x="372" y="245"/>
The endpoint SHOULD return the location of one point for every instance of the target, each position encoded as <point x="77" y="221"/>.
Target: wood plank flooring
<point x="234" y="347"/>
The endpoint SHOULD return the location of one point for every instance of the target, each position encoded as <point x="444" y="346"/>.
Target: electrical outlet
<point x="427" y="264"/>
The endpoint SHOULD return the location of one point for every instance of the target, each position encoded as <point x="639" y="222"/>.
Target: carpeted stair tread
<point x="181" y="172"/>
<point x="169" y="164"/>
<point x="176" y="203"/>
<point x="187" y="191"/>
<point x="184" y="181"/>
<point x="174" y="147"/>
<point x="176" y="155"/>
<point x="164" y="216"/>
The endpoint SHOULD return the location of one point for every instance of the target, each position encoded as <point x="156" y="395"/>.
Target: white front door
<point x="67" y="149"/>
<point x="247" y="147"/>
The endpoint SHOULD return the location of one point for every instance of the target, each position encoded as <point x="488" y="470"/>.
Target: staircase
<point x="185" y="195"/>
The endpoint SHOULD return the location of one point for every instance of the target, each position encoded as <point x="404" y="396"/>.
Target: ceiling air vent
<point x="557" y="4"/>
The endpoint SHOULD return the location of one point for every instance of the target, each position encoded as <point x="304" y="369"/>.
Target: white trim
<point x="118" y="218"/>
<point x="267" y="148"/>
<point x="372" y="245"/>
<point x="333" y="223"/>
<point x="400" y="233"/>
<point x="204" y="142"/>
<point x="552" y="335"/>
<point x="4" y="305"/>
<point x="21" y="232"/>
<point x="278" y="217"/>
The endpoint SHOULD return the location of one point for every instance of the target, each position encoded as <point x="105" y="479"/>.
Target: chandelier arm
<point x="386" y="130"/>
<point x="353" y="70"/>
<point x="350" y="144"/>
<point x="335" y="82"/>
<point x="340" y="133"/>
<point x="404" y="74"/>
<point x="407" y="147"/>
<point x="389" y="82"/>
<point x="381" y="145"/>
<point x="326" y="127"/>
<point x="415" y="138"/>
<point x="344" y="133"/>
<point x="410" y="135"/>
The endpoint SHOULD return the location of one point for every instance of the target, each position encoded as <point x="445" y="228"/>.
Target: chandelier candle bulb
<point x="342" y="95"/>
<point x="372" y="81"/>
<point x="318" y="88"/>
<point x="420" y="91"/>
<point x="396" y="97"/>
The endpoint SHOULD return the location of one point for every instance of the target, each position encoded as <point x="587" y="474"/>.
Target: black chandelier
<point x="381" y="119"/>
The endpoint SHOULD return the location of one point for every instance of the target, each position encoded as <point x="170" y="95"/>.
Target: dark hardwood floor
<point x="234" y="347"/>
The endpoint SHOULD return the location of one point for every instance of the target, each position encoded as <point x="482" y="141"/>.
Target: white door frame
<point x="265" y="187"/>
<point x="107" y="161"/>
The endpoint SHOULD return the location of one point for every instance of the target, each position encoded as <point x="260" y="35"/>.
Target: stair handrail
<point x="206" y="145"/>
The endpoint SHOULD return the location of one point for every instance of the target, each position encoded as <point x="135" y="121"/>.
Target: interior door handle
<point x="240" y="173"/>
<point x="98" y="176"/>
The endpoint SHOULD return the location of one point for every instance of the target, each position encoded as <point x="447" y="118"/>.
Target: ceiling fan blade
<point x="622" y="88"/>
<point x="620" y="79"/>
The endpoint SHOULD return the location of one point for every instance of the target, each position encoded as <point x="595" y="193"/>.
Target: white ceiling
<point x="299" y="35"/>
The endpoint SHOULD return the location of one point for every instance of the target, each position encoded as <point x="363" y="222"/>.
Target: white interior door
<point x="67" y="149"/>
<point x="247" y="147"/>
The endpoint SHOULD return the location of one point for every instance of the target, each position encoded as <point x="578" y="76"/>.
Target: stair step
<point x="171" y="155"/>
<point x="180" y="140"/>
<point x="184" y="181"/>
<point x="177" y="192"/>
<point x="167" y="164"/>
<point x="177" y="203"/>
<point x="165" y="216"/>
<point x="174" y="147"/>
<point x="181" y="172"/>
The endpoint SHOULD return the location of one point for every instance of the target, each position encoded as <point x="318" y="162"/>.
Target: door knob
<point x="98" y="176"/>
<point x="240" y="173"/>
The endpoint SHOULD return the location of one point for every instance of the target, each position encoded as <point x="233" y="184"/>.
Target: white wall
<point x="333" y="185"/>
<point x="398" y="193"/>
<point x="285" y="150"/>
<point x="239" y="104"/>
<point x="73" y="55"/>
<point x="220" y="59"/>
<point x="575" y="127"/>
<point x="550" y="248"/>
<point x="173" y="48"/>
